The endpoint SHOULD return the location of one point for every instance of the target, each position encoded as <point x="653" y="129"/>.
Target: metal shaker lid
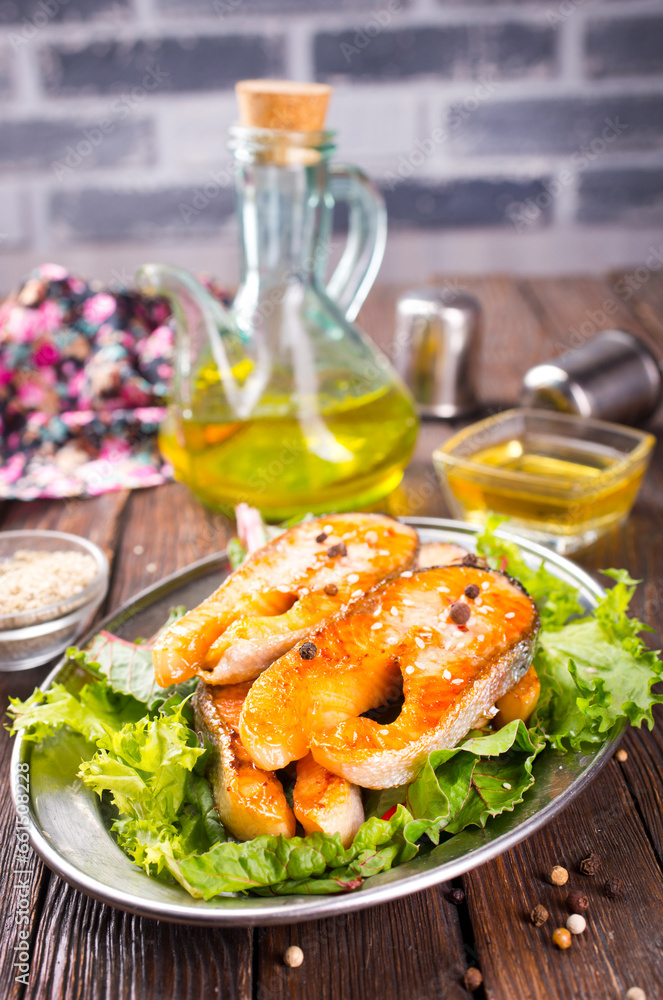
<point x="613" y="376"/>
<point x="435" y="349"/>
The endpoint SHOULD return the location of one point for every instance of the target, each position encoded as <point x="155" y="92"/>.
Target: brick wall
<point x="505" y="135"/>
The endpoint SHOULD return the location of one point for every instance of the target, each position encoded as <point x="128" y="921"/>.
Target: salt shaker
<point x="613" y="376"/>
<point x="435" y="349"/>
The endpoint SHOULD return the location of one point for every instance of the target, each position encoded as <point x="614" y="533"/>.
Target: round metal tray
<point x="69" y="831"/>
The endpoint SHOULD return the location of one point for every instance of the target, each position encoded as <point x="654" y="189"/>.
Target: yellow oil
<point x="346" y="455"/>
<point x="572" y="489"/>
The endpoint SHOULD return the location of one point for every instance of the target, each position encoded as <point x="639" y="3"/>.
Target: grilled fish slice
<point x="293" y="584"/>
<point x="250" y="802"/>
<point x="323" y="801"/>
<point x="452" y="672"/>
<point x="354" y="670"/>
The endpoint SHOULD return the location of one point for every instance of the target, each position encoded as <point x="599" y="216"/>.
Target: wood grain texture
<point x="21" y="878"/>
<point x="622" y="944"/>
<point x="98" y="518"/>
<point x="165" y="529"/>
<point x="641" y="290"/>
<point x="411" y="948"/>
<point x="85" y="949"/>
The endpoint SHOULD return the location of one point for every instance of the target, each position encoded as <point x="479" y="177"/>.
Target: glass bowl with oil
<point x="560" y="479"/>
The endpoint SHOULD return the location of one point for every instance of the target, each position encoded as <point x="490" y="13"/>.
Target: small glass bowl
<point x="31" y="638"/>
<point x="561" y="480"/>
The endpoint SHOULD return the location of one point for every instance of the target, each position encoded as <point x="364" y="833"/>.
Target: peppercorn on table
<point x="487" y="934"/>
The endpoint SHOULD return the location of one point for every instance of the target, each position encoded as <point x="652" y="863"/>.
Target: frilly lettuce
<point x="595" y="671"/>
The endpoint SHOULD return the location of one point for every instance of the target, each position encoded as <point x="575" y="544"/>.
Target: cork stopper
<point x="283" y="104"/>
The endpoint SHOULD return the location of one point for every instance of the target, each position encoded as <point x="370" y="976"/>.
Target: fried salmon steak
<point x="324" y="802"/>
<point x="454" y="638"/>
<point x="307" y="575"/>
<point x="250" y="801"/>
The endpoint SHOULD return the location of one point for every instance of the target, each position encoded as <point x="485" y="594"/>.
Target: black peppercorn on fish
<point x="311" y="573"/>
<point x="407" y="634"/>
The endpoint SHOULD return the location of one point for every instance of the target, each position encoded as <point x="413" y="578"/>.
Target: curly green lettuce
<point x="595" y="670"/>
<point x="146" y="760"/>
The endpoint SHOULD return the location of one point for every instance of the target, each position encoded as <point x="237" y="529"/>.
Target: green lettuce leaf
<point x="317" y="863"/>
<point x="484" y="776"/>
<point x="236" y="553"/>
<point x="152" y="771"/>
<point x="129" y="668"/>
<point x="596" y="672"/>
<point x="91" y="711"/>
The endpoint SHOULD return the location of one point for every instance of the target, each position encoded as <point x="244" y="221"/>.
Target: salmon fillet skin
<point x="313" y="572"/>
<point x="251" y="802"/>
<point x="453" y="638"/>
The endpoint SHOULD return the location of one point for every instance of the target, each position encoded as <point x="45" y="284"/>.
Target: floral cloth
<point x="83" y="380"/>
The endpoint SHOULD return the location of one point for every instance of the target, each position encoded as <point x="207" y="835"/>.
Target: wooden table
<point x="417" y="948"/>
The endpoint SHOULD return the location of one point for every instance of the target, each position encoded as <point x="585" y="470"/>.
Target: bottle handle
<point x="367" y="236"/>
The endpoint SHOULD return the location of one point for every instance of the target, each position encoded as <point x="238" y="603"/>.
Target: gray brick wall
<point x="511" y="131"/>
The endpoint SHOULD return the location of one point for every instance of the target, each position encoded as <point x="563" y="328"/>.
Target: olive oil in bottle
<point x="348" y="455"/>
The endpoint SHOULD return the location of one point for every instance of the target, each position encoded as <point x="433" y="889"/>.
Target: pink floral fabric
<point x="83" y="381"/>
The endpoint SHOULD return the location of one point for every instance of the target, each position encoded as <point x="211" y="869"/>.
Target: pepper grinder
<point x="435" y="348"/>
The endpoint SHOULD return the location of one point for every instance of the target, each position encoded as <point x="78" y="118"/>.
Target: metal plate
<point x="70" y="833"/>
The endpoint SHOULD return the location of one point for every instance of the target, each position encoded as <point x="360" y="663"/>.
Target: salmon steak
<point x="324" y="802"/>
<point x="251" y="802"/>
<point x="453" y="639"/>
<point x="311" y="573"/>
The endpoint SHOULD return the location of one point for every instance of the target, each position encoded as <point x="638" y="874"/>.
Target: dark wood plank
<point x="620" y="947"/>
<point x="97" y="519"/>
<point x="166" y="528"/>
<point x="410" y="948"/>
<point x="417" y="947"/>
<point x="85" y="949"/>
<point x="520" y="331"/>
<point x="24" y="876"/>
<point x="641" y="290"/>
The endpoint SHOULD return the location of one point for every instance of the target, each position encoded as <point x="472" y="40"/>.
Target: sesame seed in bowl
<point x="51" y="583"/>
